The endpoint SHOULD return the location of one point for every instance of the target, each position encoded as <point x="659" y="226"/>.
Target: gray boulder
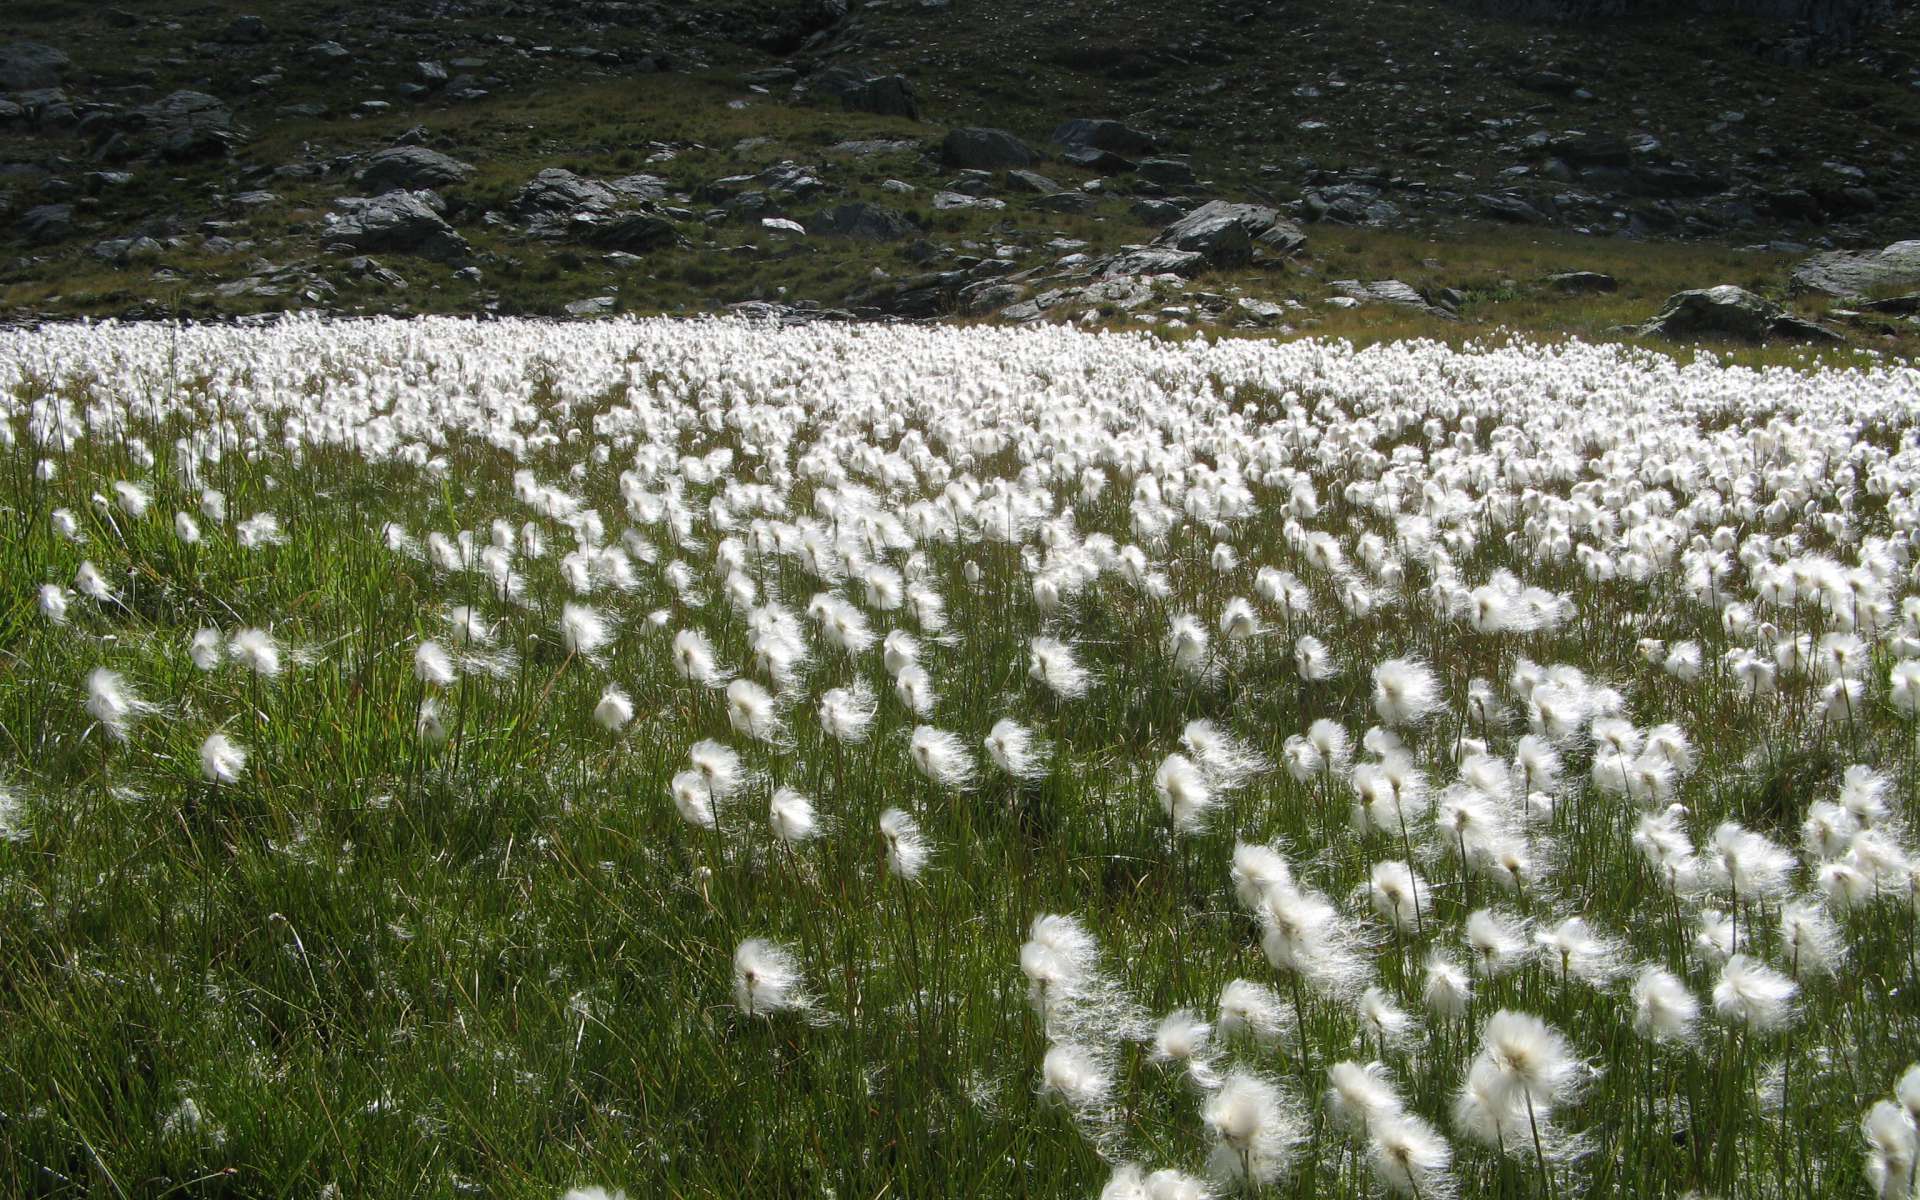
<point x="1226" y="234"/>
<point x="1156" y="260"/>
<point x="1390" y="291"/>
<point x="868" y="222"/>
<point x="1100" y="133"/>
<point x="187" y="126"/>
<point x="46" y="223"/>
<point x="985" y="149"/>
<point x="1508" y="208"/>
<point x="556" y="190"/>
<point x="245" y="30"/>
<point x="1092" y="158"/>
<point x="29" y="66"/>
<point x="633" y="232"/>
<point x="1169" y="172"/>
<point x="409" y="168"/>
<point x="1031" y="182"/>
<point x="1582" y="283"/>
<point x="403" y="222"/>
<point x="1855" y="276"/>
<point x="1732" y="312"/>
<point x="861" y="90"/>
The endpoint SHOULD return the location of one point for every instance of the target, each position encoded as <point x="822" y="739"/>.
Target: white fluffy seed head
<point x="792" y="817"/>
<point x="766" y="978"/>
<point x="907" y="850"/>
<point x="221" y="759"/>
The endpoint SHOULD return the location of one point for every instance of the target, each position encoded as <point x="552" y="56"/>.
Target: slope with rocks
<point x="937" y="158"/>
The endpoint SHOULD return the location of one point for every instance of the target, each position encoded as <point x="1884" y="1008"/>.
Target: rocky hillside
<point x="1176" y="161"/>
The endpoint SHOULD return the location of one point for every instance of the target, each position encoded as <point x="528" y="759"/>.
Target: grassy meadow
<point x="408" y="728"/>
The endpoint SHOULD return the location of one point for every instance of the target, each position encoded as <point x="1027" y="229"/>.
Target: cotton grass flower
<point x="907" y="850"/>
<point x="846" y="714"/>
<point x="1893" y="1151"/>
<point x="753" y="712"/>
<point x="1052" y="664"/>
<point x="1185" y="795"/>
<point x="1183" y="1038"/>
<point x="1751" y="995"/>
<point x="941" y="757"/>
<point x="766" y="979"/>
<point x="1255" y="1133"/>
<point x="583" y="631"/>
<point x="53" y="603"/>
<point x="1405" y="691"/>
<point x="1079" y="1075"/>
<point x="792" y="817"/>
<point x="432" y="665"/>
<point x="1016" y="750"/>
<point x="1250" y="1010"/>
<point x="112" y="703"/>
<point x="257" y="651"/>
<point x="1410" y="1158"/>
<point x="614" y="710"/>
<point x="1664" y="1009"/>
<point x="221" y="759"/>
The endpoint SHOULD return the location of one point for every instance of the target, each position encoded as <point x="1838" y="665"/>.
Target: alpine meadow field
<point x="498" y="759"/>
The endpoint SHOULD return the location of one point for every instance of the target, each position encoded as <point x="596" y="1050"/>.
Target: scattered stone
<point x="126" y="251"/>
<point x="1226" y="234"/>
<point x="948" y="201"/>
<point x="1582" y="283"/>
<point x="1730" y="311"/>
<point x="869" y="222"/>
<point x="330" y="54"/>
<point x="1509" y="208"/>
<point x="783" y="225"/>
<point x="246" y="30"/>
<point x="187" y="126"/>
<point x="1156" y="212"/>
<point x="1853" y="276"/>
<point x="1389" y="291"/>
<point x="1349" y="204"/>
<point x="559" y="191"/>
<point x="1157" y="260"/>
<point x="46" y="223"/>
<point x="1168" y="172"/>
<point x="862" y="90"/>
<point x="410" y="168"/>
<point x="1031" y="182"/>
<point x="633" y="232"/>
<point x="972" y="183"/>
<point x="1102" y="134"/>
<point x="1092" y="158"/>
<point x="430" y="75"/>
<point x="404" y="222"/>
<point x="985" y="149"/>
<point x="1066" y="202"/>
<point x="28" y="66"/>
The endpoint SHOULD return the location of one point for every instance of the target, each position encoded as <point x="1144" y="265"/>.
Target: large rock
<point x="559" y="191"/>
<point x="1227" y="233"/>
<point x="861" y="90"/>
<point x="187" y="126"/>
<point x="869" y="222"/>
<point x="1156" y="260"/>
<point x="404" y="222"/>
<point x="1100" y="133"/>
<point x="408" y="168"/>
<point x="28" y="66"/>
<point x="1853" y="276"/>
<point x="985" y="149"/>
<point x="31" y="66"/>
<point x="1390" y="291"/>
<point x="632" y="232"/>
<point x="1733" y="312"/>
<point x="47" y="223"/>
